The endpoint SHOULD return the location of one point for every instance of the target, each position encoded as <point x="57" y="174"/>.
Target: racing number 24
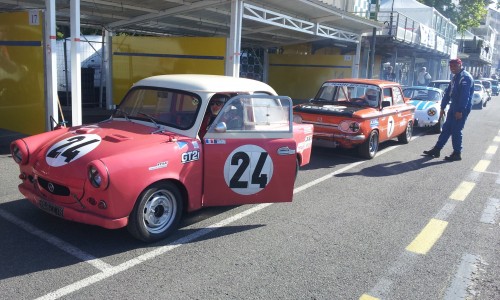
<point x="257" y="177"/>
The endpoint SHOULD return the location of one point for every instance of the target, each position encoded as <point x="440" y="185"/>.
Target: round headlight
<point x="19" y="152"/>
<point x="94" y="177"/>
<point x="432" y="111"/>
<point x="297" y="119"/>
<point x="17" y="155"/>
<point x="349" y="126"/>
<point x="98" y="175"/>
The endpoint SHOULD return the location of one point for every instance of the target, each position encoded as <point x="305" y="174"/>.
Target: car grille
<point x="53" y="188"/>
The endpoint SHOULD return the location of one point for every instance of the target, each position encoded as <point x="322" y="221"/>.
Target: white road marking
<point x="491" y="211"/>
<point x="108" y="270"/>
<point x="82" y="255"/>
<point x="462" y="285"/>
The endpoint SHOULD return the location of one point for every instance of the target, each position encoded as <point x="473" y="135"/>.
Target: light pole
<point x="391" y="18"/>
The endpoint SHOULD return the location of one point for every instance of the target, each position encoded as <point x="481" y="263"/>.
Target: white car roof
<point x="206" y="83"/>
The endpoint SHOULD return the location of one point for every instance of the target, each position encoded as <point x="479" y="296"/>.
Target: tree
<point x="468" y="14"/>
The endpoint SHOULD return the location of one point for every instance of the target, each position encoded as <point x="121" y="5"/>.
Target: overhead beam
<point x="168" y="12"/>
<point x="267" y="16"/>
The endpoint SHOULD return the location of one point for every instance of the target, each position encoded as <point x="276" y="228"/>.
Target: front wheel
<point x="405" y="137"/>
<point x="370" y="147"/>
<point x="439" y="125"/>
<point x="156" y="212"/>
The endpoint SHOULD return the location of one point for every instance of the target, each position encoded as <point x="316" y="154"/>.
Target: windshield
<point x="172" y="108"/>
<point x="348" y="94"/>
<point x="421" y="94"/>
<point x="477" y="88"/>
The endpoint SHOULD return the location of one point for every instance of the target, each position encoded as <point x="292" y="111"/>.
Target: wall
<point x="135" y="58"/>
<point x="300" y="76"/>
<point x="22" y="83"/>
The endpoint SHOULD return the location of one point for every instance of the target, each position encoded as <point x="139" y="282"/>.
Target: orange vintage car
<point x="358" y="113"/>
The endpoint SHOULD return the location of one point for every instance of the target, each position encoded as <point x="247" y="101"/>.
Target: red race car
<point x="157" y="155"/>
<point x="358" y="114"/>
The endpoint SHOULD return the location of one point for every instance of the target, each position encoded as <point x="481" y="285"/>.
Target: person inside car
<point x="214" y="107"/>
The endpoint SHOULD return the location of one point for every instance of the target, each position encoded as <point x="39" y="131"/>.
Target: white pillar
<point x="357" y="59"/>
<point x="52" y="101"/>
<point x="233" y="47"/>
<point x="76" y="74"/>
<point x="108" y="63"/>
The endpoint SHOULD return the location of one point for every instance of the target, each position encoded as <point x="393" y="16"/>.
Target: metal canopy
<point x="269" y="23"/>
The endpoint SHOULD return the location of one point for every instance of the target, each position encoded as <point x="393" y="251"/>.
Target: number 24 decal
<point x="248" y="169"/>
<point x="257" y="177"/>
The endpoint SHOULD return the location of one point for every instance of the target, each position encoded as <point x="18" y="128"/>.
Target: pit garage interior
<point x="292" y="45"/>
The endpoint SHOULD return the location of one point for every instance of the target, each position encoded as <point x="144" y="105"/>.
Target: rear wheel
<point x="156" y="212"/>
<point x="370" y="147"/>
<point x="405" y="137"/>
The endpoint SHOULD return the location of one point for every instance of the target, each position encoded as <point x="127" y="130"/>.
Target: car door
<point x="250" y="153"/>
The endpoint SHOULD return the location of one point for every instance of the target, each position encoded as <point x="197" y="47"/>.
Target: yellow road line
<point x="462" y="191"/>
<point x="482" y="165"/>
<point x="492" y="150"/>
<point x="496" y="139"/>
<point x="427" y="237"/>
<point x="367" y="297"/>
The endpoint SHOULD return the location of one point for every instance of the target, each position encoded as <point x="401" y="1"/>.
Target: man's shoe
<point x="434" y="152"/>
<point x="453" y="157"/>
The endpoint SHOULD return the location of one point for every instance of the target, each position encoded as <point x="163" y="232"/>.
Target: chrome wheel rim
<point x="159" y="211"/>
<point x="373" y="144"/>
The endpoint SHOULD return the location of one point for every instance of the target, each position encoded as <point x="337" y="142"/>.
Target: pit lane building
<point x="293" y="45"/>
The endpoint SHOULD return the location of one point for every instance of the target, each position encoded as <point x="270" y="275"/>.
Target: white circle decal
<point x="390" y="126"/>
<point x="71" y="149"/>
<point x="248" y="169"/>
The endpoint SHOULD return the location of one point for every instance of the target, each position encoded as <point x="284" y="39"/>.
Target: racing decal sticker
<point x="248" y="169"/>
<point x="390" y="126"/>
<point x="374" y="123"/>
<point x="159" y="165"/>
<point x="195" y="144"/>
<point x="71" y="149"/>
<point x="190" y="156"/>
<point x="307" y="143"/>
<point x="181" y="144"/>
<point x="215" y="142"/>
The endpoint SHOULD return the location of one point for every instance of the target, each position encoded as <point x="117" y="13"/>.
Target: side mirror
<point x="386" y="103"/>
<point x="220" y="127"/>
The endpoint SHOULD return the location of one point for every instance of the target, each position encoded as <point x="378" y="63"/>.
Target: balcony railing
<point x="405" y="29"/>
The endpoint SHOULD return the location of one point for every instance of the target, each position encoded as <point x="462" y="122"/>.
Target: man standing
<point x="423" y="77"/>
<point x="459" y="92"/>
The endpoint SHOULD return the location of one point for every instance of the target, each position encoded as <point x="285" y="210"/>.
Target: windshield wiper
<point x="124" y="113"/>
<point x="151" y="118"/>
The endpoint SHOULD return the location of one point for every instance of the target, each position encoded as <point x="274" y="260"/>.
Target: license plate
<point x="51" y="208"/>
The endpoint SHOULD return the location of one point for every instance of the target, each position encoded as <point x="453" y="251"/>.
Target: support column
<point x="233" y="47"/>
<point x="108" y="58"/>
<point x="76" y="73"/>
<point x="52" y="101"/>
<point x="357" y="59"/>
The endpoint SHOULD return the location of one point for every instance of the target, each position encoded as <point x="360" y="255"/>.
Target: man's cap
<point x="456" y="60"/>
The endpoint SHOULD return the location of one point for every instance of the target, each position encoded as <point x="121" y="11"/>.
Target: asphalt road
<point x="400" y="226"/>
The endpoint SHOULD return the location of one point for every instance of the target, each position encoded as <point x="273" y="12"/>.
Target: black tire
<point x="405" y="137"/>
<point x="156" y="213"/>
<point x="297" y="166"/>
<point x="439" y="126"/>
<point x="370" y="147"/>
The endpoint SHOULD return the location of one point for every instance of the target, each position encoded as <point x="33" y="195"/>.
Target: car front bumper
<point x="69" y="213"/>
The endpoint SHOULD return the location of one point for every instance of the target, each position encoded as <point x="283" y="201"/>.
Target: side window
<point x="255" y="114"/>
<point x="397" y="96"/>
<point x="387" y="101"/>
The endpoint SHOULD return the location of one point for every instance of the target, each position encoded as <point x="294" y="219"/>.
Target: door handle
<point x="285" y="151"/>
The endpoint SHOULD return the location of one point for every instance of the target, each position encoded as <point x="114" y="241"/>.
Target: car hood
<point x="336" y="110"/>
<point x="65" y="157"/>
<point x="424" y="105"/>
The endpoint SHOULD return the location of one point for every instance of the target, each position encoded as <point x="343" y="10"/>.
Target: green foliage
<point x="468" y="14"/>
